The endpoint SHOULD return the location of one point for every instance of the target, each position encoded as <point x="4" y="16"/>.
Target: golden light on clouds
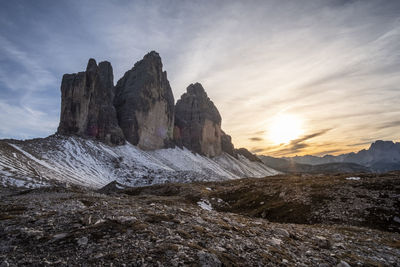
<point x="285" y="128"/>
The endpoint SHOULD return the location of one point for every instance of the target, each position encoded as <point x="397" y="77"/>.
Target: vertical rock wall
<point x="198" y="122"/>
<point x="87" y="104"/>
<point x="145" y="104"/>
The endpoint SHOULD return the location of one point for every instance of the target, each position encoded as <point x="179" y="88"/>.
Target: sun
<point x="285" y="128"/>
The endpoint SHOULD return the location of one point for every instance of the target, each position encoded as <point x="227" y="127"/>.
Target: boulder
<point x="198" y="122"/>
<point x="87" y="104"/>
<point x="145" y="104"/>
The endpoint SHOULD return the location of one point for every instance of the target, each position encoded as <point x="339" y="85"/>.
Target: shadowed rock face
<point x="145" y="104"/>
<point x="198" y="122"/>
<point x="227" y="146"/>
<point x="87" y="104"/>
<point x="250" y="156"/>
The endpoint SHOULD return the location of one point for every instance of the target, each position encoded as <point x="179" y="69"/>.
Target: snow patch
<point x="73" y="160"/>
<point x="205" y="204"/>
<point x="353" y="178"/>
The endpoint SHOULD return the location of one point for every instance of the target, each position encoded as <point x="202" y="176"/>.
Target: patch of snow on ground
<point x="205" y="204"/>
<point x="73" y="160"/>
<point x="353" y="178"/>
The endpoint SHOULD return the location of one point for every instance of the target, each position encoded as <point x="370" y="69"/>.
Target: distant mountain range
<point x="382" y="156"/>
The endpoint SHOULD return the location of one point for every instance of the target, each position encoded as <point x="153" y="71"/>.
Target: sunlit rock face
<point x="87" y="104"/>
<point x="198" y="122"/>
<point x="145" y="104"/>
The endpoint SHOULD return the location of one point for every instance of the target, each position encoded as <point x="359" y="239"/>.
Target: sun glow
<point x="285" y="128"/>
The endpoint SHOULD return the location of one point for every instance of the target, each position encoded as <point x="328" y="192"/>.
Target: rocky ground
<point x="295" y="220"/>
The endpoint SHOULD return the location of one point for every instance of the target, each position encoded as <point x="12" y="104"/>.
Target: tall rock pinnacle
<point x="198" y="122"/>
<point x="145" y="104"/>
<point x="87" y="104"/>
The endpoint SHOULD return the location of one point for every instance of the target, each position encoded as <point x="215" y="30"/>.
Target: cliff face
<point x="145" y="104"/>
<point x="87" y="104"/>
<point x="227" y="146"/>
<point x="198" y="122"/>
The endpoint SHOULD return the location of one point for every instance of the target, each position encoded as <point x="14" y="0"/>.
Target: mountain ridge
<point x="381" y="156"/>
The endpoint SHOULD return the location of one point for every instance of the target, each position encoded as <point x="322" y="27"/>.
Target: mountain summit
<point x="145" y="104"/>
<point x="87" y="108"/>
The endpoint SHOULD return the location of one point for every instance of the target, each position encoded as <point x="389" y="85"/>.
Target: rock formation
<point x="250" y="156"/>
<point x="145" y="104"/>
<point x="198" y="122"/>
<point x="87" y="104"/>
<point x="142" y="110"/>
<point x="227" y="146"/>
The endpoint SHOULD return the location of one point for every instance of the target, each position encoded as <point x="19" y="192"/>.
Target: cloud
<point x="295" y="146"/>
<point x="30" y="76"/>
<point x="390" y="124"/>
<point x="335" y="63"/>
<point x="256" y="139"/>
<point x="25" y="123"/>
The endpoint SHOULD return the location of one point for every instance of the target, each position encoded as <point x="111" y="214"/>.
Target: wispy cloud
<point x="335" y="64"/>
<point x="256" y="139"/>
<point x="293" y="147"/>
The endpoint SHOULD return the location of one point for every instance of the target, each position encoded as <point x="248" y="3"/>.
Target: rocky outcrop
<point x="250" y="156"/>
<point x="140" y="109"/>
<point x="227" y="146"/>
<point x="87" y="104"/>
<point x="145" y="104"/>
<point x="198" y="122"/>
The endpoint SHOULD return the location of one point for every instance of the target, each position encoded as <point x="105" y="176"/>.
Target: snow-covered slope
<point x="89" y="163"/>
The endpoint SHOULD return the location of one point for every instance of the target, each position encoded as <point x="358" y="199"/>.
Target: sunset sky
<point x="288" y="77"/>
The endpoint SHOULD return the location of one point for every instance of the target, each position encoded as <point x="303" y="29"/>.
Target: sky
<point x="288" y="77"/>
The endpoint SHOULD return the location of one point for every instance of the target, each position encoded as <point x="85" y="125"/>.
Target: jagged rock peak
<point x="196" y="94"/>
<point x="92" y="65"/>
<point x="145" y="104"/>
<point x="87" y="104"/>
<point x="196" y="89"/>
<point x="382" y="145"/>
<point x="198" y="122"/>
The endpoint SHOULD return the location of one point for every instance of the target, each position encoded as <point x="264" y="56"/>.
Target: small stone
<point x="343" y="264"/>
<point x="83" y="241"/>
<point x="322" y="242"/>
<point x="308" y="253"/>
<point x="59" y="236"/>
<point x="339" y="245"/>
<point x="4" y="264"/>
<point x="282" y="232"/>
<point x="99" y="221"/>
<point x="208" y="259"/>
<point x="276" y="241"/>
<point x="337" y="237"/>
<point x="285" y="261"/>
<point x="99" y="255"/>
